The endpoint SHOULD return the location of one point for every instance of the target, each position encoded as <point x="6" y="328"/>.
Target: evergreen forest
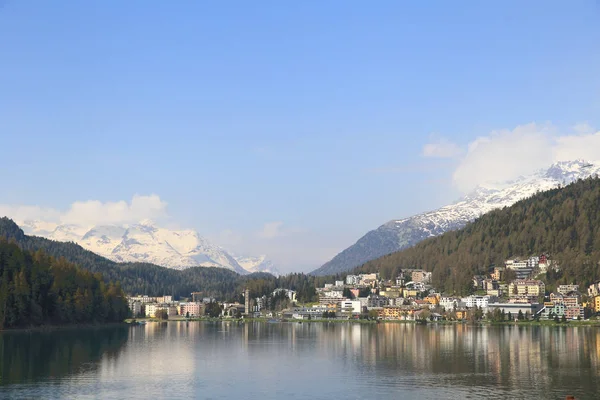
<point x="563" y="223"/>
<point x="37" y="289"/>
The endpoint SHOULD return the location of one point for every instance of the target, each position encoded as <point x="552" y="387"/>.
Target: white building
<point x="448" y="303"/>
<point x="522" y="269"/>
<point x="151" y="309"/>
<point x="565" y="289"/>
<point x="352" y="279"/>
<point x="353" y="306"/>
<point x="135" y="307"/>
<point x="339" y="283"/>
<point x="333" y="293"/>
<point x="478" y="301"/>
<point x="291" y="294"/>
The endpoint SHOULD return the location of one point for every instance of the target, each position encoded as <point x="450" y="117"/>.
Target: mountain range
<point x="146" y="242"/>
<point x="400" y="234"/>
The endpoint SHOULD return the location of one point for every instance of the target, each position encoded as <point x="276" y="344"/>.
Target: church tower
<point x="247" y="301"/>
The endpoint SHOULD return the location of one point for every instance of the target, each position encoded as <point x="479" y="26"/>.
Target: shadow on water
<point x="35" y="356"/>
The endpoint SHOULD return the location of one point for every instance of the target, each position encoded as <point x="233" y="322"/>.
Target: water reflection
<point x="309" y="360"/>
<point x="34" y="356"/>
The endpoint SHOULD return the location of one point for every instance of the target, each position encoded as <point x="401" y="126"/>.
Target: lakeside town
<point x="514" y="291"/>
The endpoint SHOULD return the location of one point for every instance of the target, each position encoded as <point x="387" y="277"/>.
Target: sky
<point x="286" y="128"/>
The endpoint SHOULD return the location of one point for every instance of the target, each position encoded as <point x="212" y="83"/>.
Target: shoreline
<point x="588" y="323"/>
<point x="51" y="328"/>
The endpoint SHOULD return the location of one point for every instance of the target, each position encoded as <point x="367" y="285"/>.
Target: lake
<point x="213" y="360"/>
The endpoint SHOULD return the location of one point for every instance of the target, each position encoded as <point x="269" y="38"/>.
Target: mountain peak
<point x="397" y="235"/>
<point x="148" y="243"/>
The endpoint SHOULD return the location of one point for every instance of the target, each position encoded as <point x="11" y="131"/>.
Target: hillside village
<point x="514" y="291"/>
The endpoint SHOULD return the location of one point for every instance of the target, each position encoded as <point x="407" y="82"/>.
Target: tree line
<point x="153" y="280"/>
<point x="37" y="289"/>
<point x="564" y="222"/>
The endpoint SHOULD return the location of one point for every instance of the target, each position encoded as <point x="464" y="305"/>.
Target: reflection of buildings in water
<point x="466" y="355"/>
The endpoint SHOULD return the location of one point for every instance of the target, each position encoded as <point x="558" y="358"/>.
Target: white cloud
<point x="93" y="212"/>
<point x="441" y="148"/>
<point x="506" y="154"/>
<point x="586" y="147"/>
<point x="24" y="213"/>
<point x="271" y="230"/>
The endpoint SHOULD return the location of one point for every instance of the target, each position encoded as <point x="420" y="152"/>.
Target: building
<point x="522" y="269"/>
<point x="596" y="303"/>
<point x="192" y="309"/>
<point x="152" y="308"/>
<point x="594" y="289"/>
<point x="418" y="286"/>
<point x="314" y="312"/>
<point x="498" y="273"/>
<point x="449" y="303"/>
<point x="564" y="289"/>
<point x="552" y="310"/>
<point x="574" y="312"/>
<point x="400" y="280"/>
<point x="324" y="300"/>
<point x="495" y="292"/>
<point x="247" y="301"/>
<point x="260" y="303"/>
<point x="462" y="314"/>
<point x="478" y="301"/>
<point x="339" y="283"/>
<point x="490" y="284"/>
<point x="352" y="280"/>
<point x="350" y="307"/>
<point x="478" y="282"/>
<point x="571" y="299"/>
<point x="544" y="264"/>
<point x="142" y="299"/>
<point x="392" y="292"/>
<point x="418" y="275"/>
<point x="526" y="288"/>
<point x="433" y="299"/>
<point x="376" y="301"/>
<point x="234" y="310"/>
<point x="291" y="294"/>
<point x="136" y="308"/>
<point x="514" y="308"/>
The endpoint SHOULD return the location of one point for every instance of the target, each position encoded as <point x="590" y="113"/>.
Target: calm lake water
<point x="302" y="361"/>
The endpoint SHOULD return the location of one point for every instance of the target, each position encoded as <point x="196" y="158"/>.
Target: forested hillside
<point x="563" y="222"/>
<point x="153" y="280"/>
<point x="37" y="289"/>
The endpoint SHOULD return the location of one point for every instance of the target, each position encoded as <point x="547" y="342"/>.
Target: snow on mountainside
<point x="400" y="234"/>
<point x="145" y="242"/>
<point x="257" y="264"/>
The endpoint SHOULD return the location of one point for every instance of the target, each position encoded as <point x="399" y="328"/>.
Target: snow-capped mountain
<point x="144" y="242"/>
<point x="400" y="234"/>
<point x="257" y="264"/>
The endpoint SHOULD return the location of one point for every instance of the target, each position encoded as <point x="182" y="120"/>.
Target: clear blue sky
<point x="312" y="113"/>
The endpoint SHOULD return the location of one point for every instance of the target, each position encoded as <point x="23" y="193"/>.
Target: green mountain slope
<point x="36" y="289"/>
<point x="153" y="280"/>
<point x="563" y="222"/>
<point x="134" y="277"/>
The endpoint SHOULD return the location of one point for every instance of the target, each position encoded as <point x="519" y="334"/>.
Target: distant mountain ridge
<point x="257" y="264"/>
<point x="136" y="278"/>
<point x="400" y="234"/>
<point x="145" y="242"/>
